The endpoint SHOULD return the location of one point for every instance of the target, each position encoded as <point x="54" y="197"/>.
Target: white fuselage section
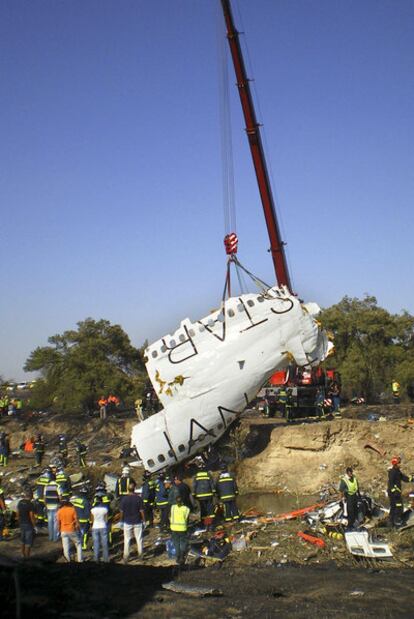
<point x="207" y="372"/>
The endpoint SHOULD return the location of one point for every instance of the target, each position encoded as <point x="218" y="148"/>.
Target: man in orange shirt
<point x="68" y="526"/>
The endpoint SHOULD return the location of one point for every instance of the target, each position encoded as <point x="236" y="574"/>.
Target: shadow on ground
<point x="87" y="590"/>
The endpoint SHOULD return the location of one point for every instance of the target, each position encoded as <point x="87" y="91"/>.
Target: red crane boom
<point x="255" y="141"/>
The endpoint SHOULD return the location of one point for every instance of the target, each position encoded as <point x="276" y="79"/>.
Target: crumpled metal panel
<point x="207" y="372"/>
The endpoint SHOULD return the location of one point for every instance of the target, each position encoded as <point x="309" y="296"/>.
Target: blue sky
<point x="110" y="160"/>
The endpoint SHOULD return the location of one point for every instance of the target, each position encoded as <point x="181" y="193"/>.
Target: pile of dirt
<point x="307" y="457"/>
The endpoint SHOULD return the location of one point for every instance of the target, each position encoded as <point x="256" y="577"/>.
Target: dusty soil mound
<point x="304" y="458"/>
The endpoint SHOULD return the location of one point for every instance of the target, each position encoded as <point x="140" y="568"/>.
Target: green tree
<point x="80" y="365"/>
<point x="372" y="346"/>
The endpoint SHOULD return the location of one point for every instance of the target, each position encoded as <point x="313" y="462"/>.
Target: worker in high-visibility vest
<point x="178" y="524"/>
<point x="395" y="386"/>
<point x="349" y="489"/>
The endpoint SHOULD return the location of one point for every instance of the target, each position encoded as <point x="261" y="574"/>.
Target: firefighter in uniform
<point x="39" y="502"/>
<point x="123" y="482"/>
<point x="63" y="449"/>
<point x="162" y="487"/>
<point x="107" y="498"/>
<point x="63" y="481"/>
<point x="83" y="511"/>
<point x="203" y="491"/>
<point x="281" y="401"/>
<point x="350" y="493"/>
<point x="289" y="405"/>
<point x="81" y="451"/>
<point x="395" y="477"/>
<point x="148" y="497"/>
<point x="39" y="449"/>
<point x="226" y="488"/>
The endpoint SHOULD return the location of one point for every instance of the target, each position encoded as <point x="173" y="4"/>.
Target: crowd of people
<point x="83" y="518"/>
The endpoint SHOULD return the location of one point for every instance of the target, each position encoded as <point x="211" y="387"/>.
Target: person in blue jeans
<point x="52" y="502"/>
<point x="99" y="515"/>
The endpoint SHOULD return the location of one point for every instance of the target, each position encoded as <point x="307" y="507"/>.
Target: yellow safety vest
<point x="352" y="486"/>
<point x="395" y="386"/>
<point x="178" y="517"/>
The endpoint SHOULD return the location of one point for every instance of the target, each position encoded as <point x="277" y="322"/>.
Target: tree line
<point x="372" y="348"/>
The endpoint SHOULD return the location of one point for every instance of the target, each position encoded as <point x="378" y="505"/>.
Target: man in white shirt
<point x="99" y="515"/>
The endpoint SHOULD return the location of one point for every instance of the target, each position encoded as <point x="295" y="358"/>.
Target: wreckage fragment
<point x="359" y="544"/>
<point x="207" y="372"/>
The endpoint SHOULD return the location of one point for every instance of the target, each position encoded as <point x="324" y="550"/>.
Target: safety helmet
<point x="125" y="471"/>
<point x="395" y="460"/>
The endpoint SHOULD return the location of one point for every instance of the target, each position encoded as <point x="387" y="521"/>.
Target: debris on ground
<point x="193" y="590"/>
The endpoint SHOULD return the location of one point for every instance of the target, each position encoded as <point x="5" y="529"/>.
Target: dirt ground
<point x="277" y="575"/>
<point x="90" y="591"/>
<point x="304" y="457"/>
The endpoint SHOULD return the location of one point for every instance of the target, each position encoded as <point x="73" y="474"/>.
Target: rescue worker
<point x="81" y="451"/>
<point x="138" y="409"/>
<point x="349" y="489"/>
<point x="180" y="488"/>
<point x="148" y="497"/>
<point x="82" y="506"/>
<point x="123" y="482"/>
<point x="203" y="491"/>
<point x="335" y="394"/>
<point x="102" y="403"/>
<point x="2" y="513"/>
<point x="39" y="449"/>
<point x="107" y="498"/>
<point x="63" y="449"/>
<point x="63" y="481"/>
<point x="395" y="387"/>
<point x="4" y="449"/>
<point x="179" y="525"/>
<point x="290" y="402"/>
<point x="395" y="477"/>
<point x="162" y="488"/>
<point x="39" y="502"/>
<point x="226" y="488"/>
<point x="52" y="502"/>
<point x="281" y="401"/>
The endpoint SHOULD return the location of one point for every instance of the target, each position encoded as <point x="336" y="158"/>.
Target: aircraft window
<point x="171" y="453"/>
<point x="220" y="426"/>
<point x="182" y="337"/>
<point x="154" y="353"/>
<point x="240" y="307"/>
<point x="191" y="332"/>
<point x="161" y="458"/>
<point x="201" y="328"/>
<point x="163" y="348"/>
<point x="173" y="344"/>
<point x="230" y="313"/>
<point x="202" y="437"/>
<point x="250" y="303"/>
<point x="220" y="317"/>
<point x="260" y="299"/>
<point x="150" y="462"/>
<point x="181" y="448"/>
<point x="210" y="322"/>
